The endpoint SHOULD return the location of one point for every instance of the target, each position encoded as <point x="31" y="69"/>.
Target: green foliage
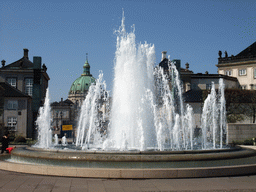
<point x="31" y="142"/>
<point x="11" y="138"/>
<point x="245" y="142"/>
<point x="233" y="118"/>
<point x="240" y="103"/>
<point x="20" y="139"/>
<point x="248" y="142"/>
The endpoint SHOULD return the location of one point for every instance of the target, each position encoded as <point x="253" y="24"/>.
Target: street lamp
<point x="61" y="119"/>
<point x="57" y="112"/>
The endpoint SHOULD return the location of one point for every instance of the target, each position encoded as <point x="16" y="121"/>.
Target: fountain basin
<point x="147" y="164"/>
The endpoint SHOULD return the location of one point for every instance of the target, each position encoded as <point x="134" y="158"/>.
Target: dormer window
<point x="12" y="104"/>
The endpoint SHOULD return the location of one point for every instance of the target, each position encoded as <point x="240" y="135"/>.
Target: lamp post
<point x="57" y="112"/>
<point x="61" y="120"/>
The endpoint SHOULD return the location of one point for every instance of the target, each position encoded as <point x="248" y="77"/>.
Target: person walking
<point x="5" y="142"/>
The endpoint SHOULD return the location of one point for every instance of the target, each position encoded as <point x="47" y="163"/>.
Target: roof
<point x="193" y="96"/>
<point x="10" y="91"/>
<point x="249" y="51"/>
<point x="82" y="83"/>
<point x="248" y="54"/>
<point x="182" y="70"/>
<point x="67" y="102"/>
<point x="23" y="63"/>
<point x="213" y="76"/>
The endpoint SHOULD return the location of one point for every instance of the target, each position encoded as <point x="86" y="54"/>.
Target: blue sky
<point x="62" y="32"/>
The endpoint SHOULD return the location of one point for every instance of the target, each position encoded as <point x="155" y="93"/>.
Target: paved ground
<point x="19" y="182"/>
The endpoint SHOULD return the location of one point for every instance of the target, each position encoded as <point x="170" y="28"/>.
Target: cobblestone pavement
<point x="19" y="182"/>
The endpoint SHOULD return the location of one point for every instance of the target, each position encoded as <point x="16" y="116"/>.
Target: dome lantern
<point x="86" y="68"/>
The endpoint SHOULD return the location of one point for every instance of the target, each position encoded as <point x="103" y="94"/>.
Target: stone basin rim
<point x="236" y="148"/>
<point x="30" y="152"/>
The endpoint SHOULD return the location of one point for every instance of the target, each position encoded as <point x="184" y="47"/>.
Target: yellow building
<point x="242" y="66"/>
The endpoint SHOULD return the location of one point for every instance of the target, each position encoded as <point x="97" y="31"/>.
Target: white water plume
<point x="93" y="115"/>
<point x="147" y="110"/>
<point x="43" y="123"/>
<point x="214" y="118"/>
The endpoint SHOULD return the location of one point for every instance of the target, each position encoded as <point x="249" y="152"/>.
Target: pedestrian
<point x="5" y="142"/>
<point x="9" y="149"/>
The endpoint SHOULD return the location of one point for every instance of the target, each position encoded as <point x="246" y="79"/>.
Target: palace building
<point x="242" y="66"/>
<point x="27" y="83"/>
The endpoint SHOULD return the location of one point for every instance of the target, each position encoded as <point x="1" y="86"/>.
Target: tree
<point x="240" y="104"/>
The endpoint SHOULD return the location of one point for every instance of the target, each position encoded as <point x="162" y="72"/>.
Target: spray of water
<point x="147" y="110"/>
<point x="93" y="115"/>
<point x="214" y="118"/>
<point x="43" y="123"/>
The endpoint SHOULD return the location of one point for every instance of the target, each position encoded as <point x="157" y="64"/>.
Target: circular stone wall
<point x="182" y="164"/>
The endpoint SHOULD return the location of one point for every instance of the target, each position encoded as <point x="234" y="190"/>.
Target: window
<point x="228" y="73"/>
<point x="254" y="73"/>
<point x="12" y="123"/>
<point x="29" y="86"/>
<point x="12" y="104"/>
<point x="208" y="86"/>
<point x="243" y="87"/>
<point x="242" y="72"/>
<point x="12" y="82"/>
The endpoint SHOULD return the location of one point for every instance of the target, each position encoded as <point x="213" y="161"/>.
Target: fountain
<point x="146" y="113"/>
<point x="146" y="132"/>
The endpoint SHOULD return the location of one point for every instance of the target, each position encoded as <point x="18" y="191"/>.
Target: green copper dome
<point x="82" y="83"/>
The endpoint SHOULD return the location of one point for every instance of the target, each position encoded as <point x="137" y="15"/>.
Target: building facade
<point x="196" y="86"/>
<point x="63" y="113"/>
<point x="17" y="111"/>
<point x="242" y="66"/>
<point x="30" y="78"/>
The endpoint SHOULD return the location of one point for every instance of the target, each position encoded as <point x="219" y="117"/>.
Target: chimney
<point x="3" y="63"/>
<point x="25" y="53"/>
<point x="163" y="55"/>
<point x="187" y="66"/>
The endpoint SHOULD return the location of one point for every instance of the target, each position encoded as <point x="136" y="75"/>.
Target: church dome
<point x="81" y="84"/>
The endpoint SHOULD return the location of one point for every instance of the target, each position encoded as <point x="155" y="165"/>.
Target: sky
<point x="62" y="32"/>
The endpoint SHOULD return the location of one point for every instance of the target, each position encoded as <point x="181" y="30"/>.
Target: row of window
<point x="60" y="114"/>
<point x="241" y="72"/>
<point x="28" y="84"/>
<point x="251" y="87"/>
